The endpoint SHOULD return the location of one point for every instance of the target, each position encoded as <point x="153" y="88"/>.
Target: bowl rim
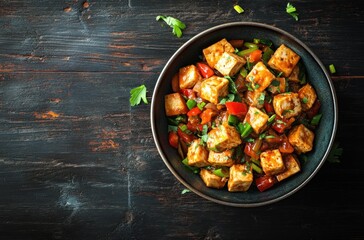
<point x="245" y="24"/>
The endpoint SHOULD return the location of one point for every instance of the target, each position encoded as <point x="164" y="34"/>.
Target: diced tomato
<point x="265" y="182"/>
<point x="268" y="107"/>
<point x="188" y="93"/>
<point x="207" y="115"/>
<point x="255" y="56"/>
<point x="173" y="139"/>
<point x="237" y="108"/>
<point x="314" y="109"/>
<point x="187" y="138"/>
<point x="285" y="146"/>
<point x="205" y="70"/>
<point x="194" y="112"/>
<point x="248" y="150"/>
<point x="281" y="124"/>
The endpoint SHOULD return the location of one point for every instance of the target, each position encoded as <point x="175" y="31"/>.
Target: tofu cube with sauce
<point x="229" y="64"/>
<point x="175" y="104"/>
<point x="212" y="180"/>
<point x="214" y="87"/>
<point x="294" y="76"/>
<point x="188" y="76"/>
<point x="284" y="60"/>
<point x="257" y="119"/>
<point x="301" y="138"/>
<point x="213" y="53"/>
<point x="292" y="166"/>
<point x="272" y="162"/>
<point x="241" y="177"/>
<point x="255" y="98"/>
<point x="287" y="104"/>
<point x="224" y="158"/>
<point x="222" y="138"/>
<point x="260" y="77"/>
<point x="197" y="154"/>
<point x="308" y="96"/>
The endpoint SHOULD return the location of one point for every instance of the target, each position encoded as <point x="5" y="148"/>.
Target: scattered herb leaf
<point x="291" y="10"/>
<point x="137" y="94"/>
<point x="335" y="153"/>
<point x="184" y="191"/>
<point x="332" y="68"/>
<point x="174" y="23"/>
<point x="238" y="9"/>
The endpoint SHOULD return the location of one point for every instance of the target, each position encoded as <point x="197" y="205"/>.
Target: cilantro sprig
<point x="137" y="94"/>
<point x="291" y="10"/>
<point x="176" y="24"/>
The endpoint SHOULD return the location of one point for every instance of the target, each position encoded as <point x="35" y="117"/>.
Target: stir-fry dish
<point x="242" y="115"/>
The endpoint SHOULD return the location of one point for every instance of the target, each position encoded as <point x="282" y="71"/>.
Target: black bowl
<point x="317" y="75"/>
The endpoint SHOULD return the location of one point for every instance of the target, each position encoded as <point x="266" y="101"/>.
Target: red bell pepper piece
<point x="237" y="108"/>
<point x="205" y="70"/>
<point x="281" y="124"/>
<point x="194" y="112"/>
<point x="187" y="138"/>
<point x="265" y="182"/>
<point x="173" y="139"/>
<point x="188" y="93"/>
<point x="255" y="56"/>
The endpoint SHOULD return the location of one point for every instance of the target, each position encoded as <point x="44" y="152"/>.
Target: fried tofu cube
<point x="301" y="138"/>
<point x="255" y="98"/>
<point x="222" y="138"/>
<point x="224" y="158"/>
<point x="257" y="119"/>
<point x="287" y="104"/>
<point x="292" y="166"/>
<point x="272" y="162"/>
<point x="175" y="104"/>
<point x="214" y="87"/>
<point x="229" y="64"/>
<point x="188" y="76"/>
<point x="214" y="52"/>
<point x="277" y="86"/>
<point x="241" y="177"/>
<point x="197" y="154"/>
<point x="212" y="180"/>
<point x="308" y="96"/>
<point x="260" y="77"/>
<point x="284" y="60"/>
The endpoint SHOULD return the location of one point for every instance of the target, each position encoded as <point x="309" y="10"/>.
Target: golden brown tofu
<point x="260" y="77"/>
<point x="301" y="138"/>
<point x="292" y="167"/>
<point x="272" y="162"/>
<point x="229" y="64"/>
<point x="277" y="86"/>
<point x="197" y="154"/>
<point x="175" y="104"/>
<point x="214" y="87"/>
<point x="241" y="177"/>
<point x="257" y="119"/>
<point x="188" y="76"/>
<point x="222" y="138"/>
<point x="212" y="180"/>
<point x="255" y="98"/>
<point x="221" y="159"/>
<point x="308" y="96"/>
<point x="287" y="104"/>
<point x="214" y="52"/>
<point x="284" y="60"/>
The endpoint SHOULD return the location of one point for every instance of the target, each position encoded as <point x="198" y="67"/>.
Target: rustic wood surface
<point x="77" y="162"/>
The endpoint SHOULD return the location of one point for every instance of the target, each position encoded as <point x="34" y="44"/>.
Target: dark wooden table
<point x="78" y="162"/>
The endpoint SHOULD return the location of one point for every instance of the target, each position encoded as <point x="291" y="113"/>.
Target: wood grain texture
<point x="77" y="162"/>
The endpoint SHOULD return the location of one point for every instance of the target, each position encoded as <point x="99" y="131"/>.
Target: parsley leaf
<point x="291" y="10"/>
<point x="335" y="153"/>
<point x="174" y="23"/>
<point x="137" y="94"/>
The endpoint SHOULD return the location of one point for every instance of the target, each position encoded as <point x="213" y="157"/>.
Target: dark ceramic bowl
<point x="317" y="75"/>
